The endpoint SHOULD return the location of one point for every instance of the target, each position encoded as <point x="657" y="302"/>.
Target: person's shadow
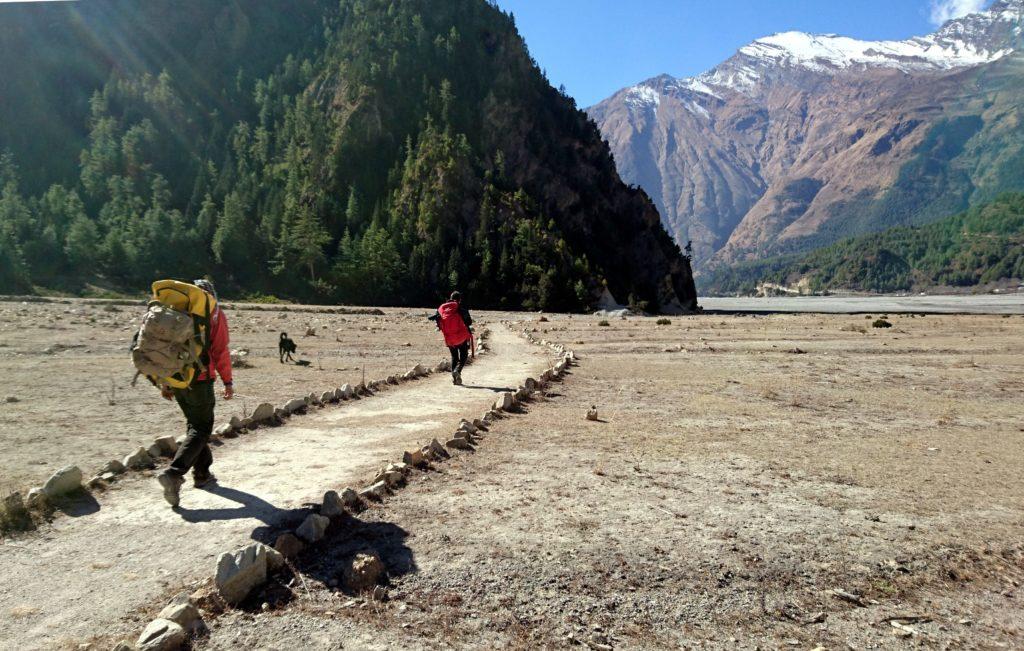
<point x="483" y="388"/>
<point x="251" y="506"/>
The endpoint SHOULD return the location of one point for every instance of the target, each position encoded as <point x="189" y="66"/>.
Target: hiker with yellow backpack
<point x="181" y="347"/>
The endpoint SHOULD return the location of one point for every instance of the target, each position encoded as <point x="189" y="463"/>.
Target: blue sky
<point x="595" y="47"/>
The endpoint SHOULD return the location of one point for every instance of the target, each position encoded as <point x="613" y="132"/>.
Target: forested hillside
<point x="982" y="245"/>
<point x="365" y="151"/>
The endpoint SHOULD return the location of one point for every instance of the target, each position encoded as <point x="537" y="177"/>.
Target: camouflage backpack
<point x="174" y="335"/>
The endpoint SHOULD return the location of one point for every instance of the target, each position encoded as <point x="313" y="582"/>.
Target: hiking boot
<point x="199" y="481"/>
<point x="457" y="379"/>
<point x="171" y="483"/>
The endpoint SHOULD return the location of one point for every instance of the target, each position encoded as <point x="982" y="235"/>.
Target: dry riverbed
<point x="783" y="481"/>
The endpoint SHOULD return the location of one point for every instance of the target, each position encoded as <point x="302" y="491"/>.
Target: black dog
<point x="285" y="347"/>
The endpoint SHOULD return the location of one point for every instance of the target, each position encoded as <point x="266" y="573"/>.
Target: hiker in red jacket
<point x="454" y="322"/>
<point x="197" y="403"/>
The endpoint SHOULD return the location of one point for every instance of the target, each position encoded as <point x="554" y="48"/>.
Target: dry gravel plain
<point x="782" y="481"/>
<point x="67" y="366"/>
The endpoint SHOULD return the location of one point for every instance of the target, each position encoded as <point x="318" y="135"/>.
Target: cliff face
<point x="800" y="139"/>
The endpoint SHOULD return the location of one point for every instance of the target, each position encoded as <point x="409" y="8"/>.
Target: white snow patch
<point x="639" y="97"/>
<point x="822" y="52"/>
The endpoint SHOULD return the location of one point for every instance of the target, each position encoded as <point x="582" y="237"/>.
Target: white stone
<point x="113" y="466"/>
<point x="350" y="499"/>
<point x="292" y="406"/>
<point x="182" y="612"/>
<point x="168" y="445"/>
<point x="375" y="491"/>
<point x="226" y="428"/>
<point x="392" y="478"/>
<point x="504" y="402"/>
<point x="332" y="506"/>
<point x="313" y="528"/>
<point x="263" y="412"/>
<point x="138" y="460"/>
<point x="347" y="391"/>
<point x="239" y="572"/>
<point x="161" y="635"/>
<point x="64" y="481"/>
<point x="275" y="559"/>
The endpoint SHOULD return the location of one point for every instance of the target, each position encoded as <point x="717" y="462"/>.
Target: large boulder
<point x="347" y="392"/>
<point x="263" y="412"/>
<point x="64" y="481"/>
<point x="459" y="444"/>
<point x="313" y="528"/>
<point x="327" y="396"/>
<point x="295" y="405"/>
<point x="363" y="572"/>
<point x="161" y="635"/>
<point x="240" y="572"/>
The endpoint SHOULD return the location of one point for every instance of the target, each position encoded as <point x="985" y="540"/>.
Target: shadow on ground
<point x="250" y="506"/>
<point x="77" y="504"/>
<point x="324" y="562"/>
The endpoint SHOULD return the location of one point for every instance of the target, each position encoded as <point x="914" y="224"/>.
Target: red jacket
<point x="219" y="354"/>
<point x="452" y="326"/>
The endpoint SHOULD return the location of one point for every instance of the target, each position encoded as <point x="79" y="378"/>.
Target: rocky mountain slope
<point x="981" y="246"/>
<point x="799" y="139"/>
<point x="362" y="151"/>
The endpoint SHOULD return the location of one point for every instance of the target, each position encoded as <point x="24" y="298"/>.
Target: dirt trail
<point x="92" y="574"/>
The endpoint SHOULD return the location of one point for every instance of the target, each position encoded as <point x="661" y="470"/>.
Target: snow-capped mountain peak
<point x="829" y="51"/>
<point x="968" y="41"/>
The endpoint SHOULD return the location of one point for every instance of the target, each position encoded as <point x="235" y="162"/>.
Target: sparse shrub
<point x="603" y="323"/>
<point x="881" y="323"/>
<point x="664" y="321"/>
<point x="854" y="328"/>
<point x="13" y="514"/>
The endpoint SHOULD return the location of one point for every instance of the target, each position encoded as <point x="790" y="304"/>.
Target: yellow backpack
<point x="175" y="333"/>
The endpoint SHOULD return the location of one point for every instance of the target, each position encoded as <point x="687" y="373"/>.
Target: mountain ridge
<point x="770" y="150"/>
<point x="394" y="151"/>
